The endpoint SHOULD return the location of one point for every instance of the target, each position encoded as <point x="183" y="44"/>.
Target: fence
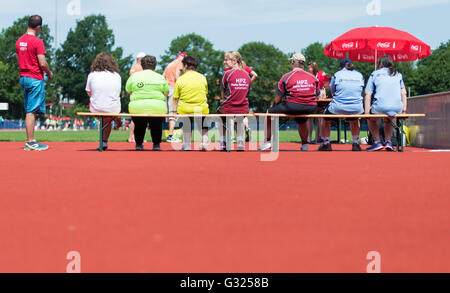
<point x="433" y="131"/>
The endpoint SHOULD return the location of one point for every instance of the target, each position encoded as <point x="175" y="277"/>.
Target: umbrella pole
<point x="375" y="64"/>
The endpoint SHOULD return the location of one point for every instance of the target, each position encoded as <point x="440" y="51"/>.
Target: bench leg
<point x="276" y="133"/>
<point x="401" y="135"/>
<point x="100" y="148"/>
<point x="339" y="131"/>
<point x="228" y="134"/>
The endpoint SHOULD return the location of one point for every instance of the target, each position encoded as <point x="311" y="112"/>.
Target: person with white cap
<point x="299" y="89"/>
<point x="135" y="68"/>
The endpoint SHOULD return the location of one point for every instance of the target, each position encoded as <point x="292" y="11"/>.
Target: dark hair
<point x="104" y="62"/>
<point x="349" y="66"/>
<point x="385" y="61"/>
<point x="34" y="21"/>
<point x="148" y="62"/>
<point x="314" y="67"/>
<point x="190" y="62"/>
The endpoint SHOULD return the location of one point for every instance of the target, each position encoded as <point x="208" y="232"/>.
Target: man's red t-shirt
<point x="298" y="86"/>
<point x="236" y="85"/>
<point x="28" y="47"/>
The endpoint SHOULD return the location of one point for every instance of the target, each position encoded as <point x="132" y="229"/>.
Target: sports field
<point x="172" y="211"/>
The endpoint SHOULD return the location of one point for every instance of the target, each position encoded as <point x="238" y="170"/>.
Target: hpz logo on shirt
<point x="303" y="85"/>
<point x="241" y="80"/>
<point x="140" y="85"/>
<point x="23" y="46"/>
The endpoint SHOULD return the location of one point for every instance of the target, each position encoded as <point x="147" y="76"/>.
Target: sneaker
<point x="223" y="146"/>
<point x="304" y="147"/>
<point x="156" y="147"/>
<point x="186" y="146"/>
<point x="265" y="146"/>
<point x="203" y="147"/>
<point x="171" y="138"/>
<point x="325" y="147"/>
<point x="105" y="146"/>
<point x="356" y="147"/>
<point x="233" y="140"/>
<point x="240" y="146"/>
<point x="247" y="134"/>
<point x="35" y="146"/>
<point x="375" y="147"/>
<point x="388" y="146"/>
<point x="139" y="147"/>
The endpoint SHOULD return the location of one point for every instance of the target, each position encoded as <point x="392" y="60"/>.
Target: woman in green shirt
<point x="148" y="91"/>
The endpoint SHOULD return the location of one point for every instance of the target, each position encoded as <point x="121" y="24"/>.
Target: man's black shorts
<point x="293" y="109"/>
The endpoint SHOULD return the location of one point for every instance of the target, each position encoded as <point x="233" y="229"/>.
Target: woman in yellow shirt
<point x="189" y="97"/>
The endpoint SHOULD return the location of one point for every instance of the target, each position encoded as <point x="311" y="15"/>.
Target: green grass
<point x="122" y="135"/>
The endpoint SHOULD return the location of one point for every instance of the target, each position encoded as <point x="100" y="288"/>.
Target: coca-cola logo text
<point x="384" y="45"/>
<point x="347" y="45"/>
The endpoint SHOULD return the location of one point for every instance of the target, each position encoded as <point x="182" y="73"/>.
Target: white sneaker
<point x="203" y="147"/>
<point x="265" y="146"/>
<point x="186" y="147"/>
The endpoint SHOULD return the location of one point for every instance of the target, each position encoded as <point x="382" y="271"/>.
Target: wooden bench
<point x="274" y="117"/>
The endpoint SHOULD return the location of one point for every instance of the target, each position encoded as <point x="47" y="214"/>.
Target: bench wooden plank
<point x="252" y="115"/>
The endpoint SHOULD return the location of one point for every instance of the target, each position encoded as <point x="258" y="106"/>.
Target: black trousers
<point x="140" y="126"/>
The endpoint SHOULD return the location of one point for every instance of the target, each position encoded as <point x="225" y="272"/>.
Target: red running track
<point x="127" y="211"/>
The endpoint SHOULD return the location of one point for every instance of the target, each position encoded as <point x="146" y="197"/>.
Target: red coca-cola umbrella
<point x="366" y="44"/>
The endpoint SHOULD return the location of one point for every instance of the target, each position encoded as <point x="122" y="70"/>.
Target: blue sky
<point x="290" y="25"/>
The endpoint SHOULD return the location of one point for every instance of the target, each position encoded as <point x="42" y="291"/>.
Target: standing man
<point x="135" y="68"/>
<point x="171" y="74"/>
<point x="31" y="52"/>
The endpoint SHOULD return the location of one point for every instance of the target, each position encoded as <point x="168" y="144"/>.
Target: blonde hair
<point x="235" y="55"/>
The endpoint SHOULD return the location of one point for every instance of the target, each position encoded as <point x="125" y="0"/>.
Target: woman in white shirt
<point x="103" y="88"/>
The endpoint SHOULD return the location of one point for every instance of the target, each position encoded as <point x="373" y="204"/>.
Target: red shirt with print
<point x="236" y="85"/>
<point x="28" y="47"/>
<point x="298" y="86"/>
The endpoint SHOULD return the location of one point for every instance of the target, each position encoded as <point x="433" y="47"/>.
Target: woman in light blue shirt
<point x="389" y="97"/>
<point x="346" y="87"/>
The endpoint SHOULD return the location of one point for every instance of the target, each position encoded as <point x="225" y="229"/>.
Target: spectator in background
<point x="135" y="68"/>
<point x="171" y="74"/>
<point x="31" y="52"/>
<point x="148" y="91"/>
<point x="346" y="87"/>
<point x="189" y="97"/>
<point x="103" y="88"/>
<point x="313" y="68"/>
<point x="389" y="97"/>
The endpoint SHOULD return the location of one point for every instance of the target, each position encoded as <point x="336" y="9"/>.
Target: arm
<point x="44" y="65"/>
<point x="253" y="76"/>
<point x="403" y="91"/>
<point x="89" y="94"/>
<point x="367" y="100"/>
<point x="277" y="99"/>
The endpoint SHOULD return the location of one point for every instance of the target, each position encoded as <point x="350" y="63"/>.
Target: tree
<point x="10" y="91"/>
<point x="210" y="61"/>
<point x="433" y="73"/>
<point x="90" y="37"/>
<point x="270" y="64"/>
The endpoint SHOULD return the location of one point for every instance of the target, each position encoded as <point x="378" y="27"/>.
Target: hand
<point x="50" y="75"/>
